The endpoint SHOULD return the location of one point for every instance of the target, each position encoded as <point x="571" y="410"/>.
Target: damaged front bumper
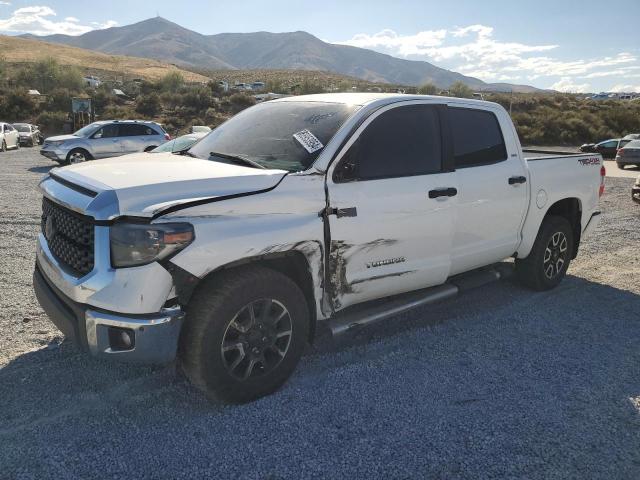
<point x="146" y="338"/>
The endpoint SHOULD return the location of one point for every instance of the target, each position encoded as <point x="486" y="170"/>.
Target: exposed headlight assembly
<point x="139" y="244"/>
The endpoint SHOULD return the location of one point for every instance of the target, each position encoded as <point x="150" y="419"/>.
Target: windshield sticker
<point x="308" y="140"/>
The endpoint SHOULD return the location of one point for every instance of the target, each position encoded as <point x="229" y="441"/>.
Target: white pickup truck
<point x="297" y="212"/>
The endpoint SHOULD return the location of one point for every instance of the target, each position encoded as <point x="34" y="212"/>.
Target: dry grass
<point x="21" y="50"/>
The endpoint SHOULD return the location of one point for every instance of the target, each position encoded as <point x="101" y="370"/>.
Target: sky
<point x="576" y="46"/>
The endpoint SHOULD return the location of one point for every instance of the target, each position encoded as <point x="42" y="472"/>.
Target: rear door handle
<point x="443" y="192"/>
<point x="517" y="180"/>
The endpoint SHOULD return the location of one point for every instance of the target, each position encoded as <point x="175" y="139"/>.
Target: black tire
<point x="213" y="316"/>
<point x="533" y="271"/>
<point x="3" y="147"/>
<point x="148" y="149"/>
<point x="18" y="145"/>
<point x="77" y="152"/>
<point x="620" y="166"/>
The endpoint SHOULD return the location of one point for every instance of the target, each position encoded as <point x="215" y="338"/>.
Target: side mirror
<point x="347" y="169"/>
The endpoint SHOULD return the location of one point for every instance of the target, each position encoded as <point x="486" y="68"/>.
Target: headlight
<point x="57" y="143"/>
<point x="133" y="244"/>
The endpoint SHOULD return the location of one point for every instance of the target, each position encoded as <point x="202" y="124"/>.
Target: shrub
<point x="148" y="105"/>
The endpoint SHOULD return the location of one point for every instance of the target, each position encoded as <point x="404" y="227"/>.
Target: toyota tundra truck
<point x="334" y="210"/>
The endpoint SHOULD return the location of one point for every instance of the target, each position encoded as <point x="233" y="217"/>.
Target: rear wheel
<point x="3" y="147"/>
<point x="245" y="333"/>
<point x="547" y="264"/>
<point x="620" y="166"/>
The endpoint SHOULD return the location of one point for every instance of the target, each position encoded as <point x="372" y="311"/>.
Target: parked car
<point x="9" y="137"/>
<point x="200" y="129"/>
<point x="635" y="191"/>
<point x="30" y="135"/>
<point x="298" y="212"/>
<point x="629" y="154"/>
<point x="110" y="138"/>
<point x="179" y="144"/>
<point x="608" y="148"/>
<point x="632" y="136"/>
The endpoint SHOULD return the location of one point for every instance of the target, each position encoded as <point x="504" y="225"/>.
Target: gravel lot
<point x="504" y="383"/>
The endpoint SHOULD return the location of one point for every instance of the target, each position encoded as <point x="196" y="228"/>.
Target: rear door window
<point x="400" y="142"/>
<point x="477" y="137"/>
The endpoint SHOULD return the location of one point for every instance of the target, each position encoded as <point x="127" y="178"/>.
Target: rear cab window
<point x="477" y="137"/>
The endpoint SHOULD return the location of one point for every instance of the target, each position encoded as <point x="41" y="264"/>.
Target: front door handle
<point x="443" y="192"/>
<point x="517" y="180"/>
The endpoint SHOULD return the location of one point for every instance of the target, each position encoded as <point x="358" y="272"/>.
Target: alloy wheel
<point x="77" y="157"/>
<point x="257" y="339"/>
<point x="555" y="255"/>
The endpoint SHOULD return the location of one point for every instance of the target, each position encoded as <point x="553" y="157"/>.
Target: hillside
<point x="161" y="39"/>
<point x="16" y="50"/>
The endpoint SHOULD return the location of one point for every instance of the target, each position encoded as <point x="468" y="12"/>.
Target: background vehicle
<point x="179" y="144"/>
<point x="629" y="154"/>
<point x="607" y="148"/>
<point x="104" y="139"/>
<point x="9" y="137"/>
<point x="200" y="129"/>
<point x="30" y="135"/>
<point x="302" y="210"/>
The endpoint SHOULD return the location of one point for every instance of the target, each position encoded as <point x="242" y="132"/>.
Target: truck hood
<point x="145" y="184"/>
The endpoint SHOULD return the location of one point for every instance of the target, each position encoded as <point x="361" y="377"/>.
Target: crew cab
<point x="335" y="209"/>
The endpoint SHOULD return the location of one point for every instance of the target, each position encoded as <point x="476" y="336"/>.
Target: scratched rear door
<point x="392" y="206"/>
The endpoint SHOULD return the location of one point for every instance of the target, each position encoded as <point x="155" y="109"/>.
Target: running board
<point x="366" y="315"/>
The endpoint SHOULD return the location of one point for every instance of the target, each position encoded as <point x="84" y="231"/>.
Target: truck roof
<point x="369" y="97"/>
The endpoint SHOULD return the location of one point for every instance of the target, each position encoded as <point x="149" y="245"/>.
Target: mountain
<point x="161" y="39"/>
<point x="15" y="50"/>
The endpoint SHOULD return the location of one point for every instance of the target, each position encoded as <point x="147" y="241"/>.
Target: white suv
<point x="104" y="139"/>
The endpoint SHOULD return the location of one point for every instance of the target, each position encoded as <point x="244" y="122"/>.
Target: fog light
<point x="121" y="339"/>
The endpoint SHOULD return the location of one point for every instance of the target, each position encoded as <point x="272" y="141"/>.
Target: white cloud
<point x="473" y="50"/>
<point x="417" y="44"/>
<point x="625" y="88"/>
<point x="37" y="20"/>
<point x="566" y="84"/>
<point x="4" y="3"/>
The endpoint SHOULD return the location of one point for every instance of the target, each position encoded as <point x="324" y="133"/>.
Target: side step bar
<point x="377" y="311"/>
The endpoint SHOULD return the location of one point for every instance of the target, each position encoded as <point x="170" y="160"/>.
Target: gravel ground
<point x="503" y="383"/>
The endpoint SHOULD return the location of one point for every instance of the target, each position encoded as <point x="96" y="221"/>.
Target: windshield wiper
<point x="238" y="159"/>
<point x="185" y="151"/>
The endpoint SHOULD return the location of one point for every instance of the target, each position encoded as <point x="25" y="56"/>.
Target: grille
<point x="70" y="237"/>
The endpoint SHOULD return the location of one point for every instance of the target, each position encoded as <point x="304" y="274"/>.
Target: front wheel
<point x="3" y="147"/>
<point x="77" y="156"/>
<point x="245" y="333"/>
<point x="620" y="166"/>
<point x="549" y="259"/>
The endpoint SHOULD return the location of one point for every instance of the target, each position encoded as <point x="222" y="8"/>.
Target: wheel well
<point x="570" y="209"/>
<point x="294" y="265"/>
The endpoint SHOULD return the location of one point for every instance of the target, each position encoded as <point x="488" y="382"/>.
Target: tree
<point x="428" y="89"/>
<point x="460" y="90"/>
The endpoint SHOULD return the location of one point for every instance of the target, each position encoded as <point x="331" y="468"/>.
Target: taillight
<point x="620" y="152"/>
<point x="603" y="173"/>
<point x="167" y="136"/>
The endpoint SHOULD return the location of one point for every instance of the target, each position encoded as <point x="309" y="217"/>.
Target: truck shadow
<point x="42" y="169"/>
<point x="541" y="356"/>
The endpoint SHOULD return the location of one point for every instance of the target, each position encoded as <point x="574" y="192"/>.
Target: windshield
<point x="23" y="128"/>
<point x="279" y="135"/>
<point x="177" y="144"/>
<point x="86" y="131"/>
